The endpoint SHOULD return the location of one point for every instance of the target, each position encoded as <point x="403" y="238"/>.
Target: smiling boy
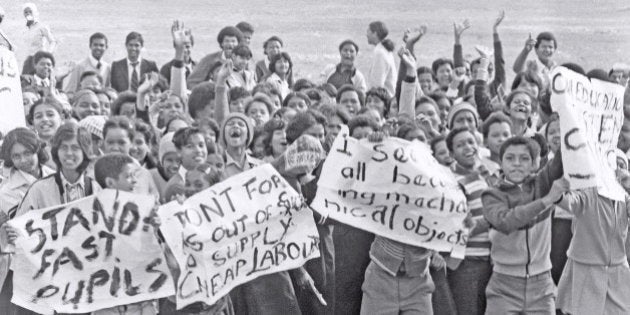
<point x="519" y="210"/>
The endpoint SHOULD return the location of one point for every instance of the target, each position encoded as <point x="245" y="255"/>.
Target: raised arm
<point x="407" y="104"/>
<point x="506" y="220"/>
<point x="411" y="37"/>
<point x="458" y="30"/>
<point x="519" y="63"/>
<point x="499" y="62"/>
<point x="481" y="93"/>
<point x="178" y="74"/>
<point x="142" y="104"/>
<point x="221" y="103"/>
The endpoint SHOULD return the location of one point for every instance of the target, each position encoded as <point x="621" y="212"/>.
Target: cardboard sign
<point x="90" y="254"/>
<point x="252" y="224"/>
<point x="395" y="189"/>
<point x="591" y="117"/>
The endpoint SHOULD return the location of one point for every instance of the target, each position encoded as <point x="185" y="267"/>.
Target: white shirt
<point x="38" y="37"/>
<point x="383" y="70"/>
<point x="41" y="82"/>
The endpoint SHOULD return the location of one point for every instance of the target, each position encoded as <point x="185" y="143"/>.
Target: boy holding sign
<point x="118" y="171"/>
<point x="518" y="209"/>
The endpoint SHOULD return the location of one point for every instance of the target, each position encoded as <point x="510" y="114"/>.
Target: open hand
<point x="498" y="21"/>
<point x="459" y="28"/>
<point x="530" y="43"/>
<point x="411" y="36"/>
<point x="225" y="71"/>
<point x="179" y="33"/>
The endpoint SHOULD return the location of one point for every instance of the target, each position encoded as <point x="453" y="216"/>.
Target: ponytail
<point x="388" y="44"/>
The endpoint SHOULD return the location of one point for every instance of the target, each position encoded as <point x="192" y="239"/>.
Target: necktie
<point x="98" y="65"/>
<point x="187" y="71"/>
<point x="133" y="86"/>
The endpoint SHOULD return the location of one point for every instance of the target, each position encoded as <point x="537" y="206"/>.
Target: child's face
<point x="128" y="109"/>
<point x="258" y="112"/>
<point x="273" y="48"/>
<point x="195" y="182"/>
<point x="127" y="179"/>
<point x="520" y="107"/>
<point x="139" y="149"/>
<point x="350" y="100"/>
<point x="117" y="140"/>
<point x="441" y="154"/>
<point x="236" y="133"/>
<point x="278" y="142"/>
<point x="70" y="154"/>
<point x="464" y="118"/>
<point x="553" y="135"/>
<point x="170" y="164"/>
<point x="90" y="82"/>
<point x="282" y="66"/>
<point x="240" y="62"/>
<point x="216" y="161"/>
<point x="465" y="149"/>
<point x="517" y="163"/>
<point x="237" y="106"/>
<point x="258" y="149"/>
<point x="348" y="54"/>
<point x="374" y="102"/>
<point x="498" y="133"/>
<point x="194" y="152"/>
<point x="427" y="109"/>
<point x="297" y="103"/>
<point x="426" y="83"/>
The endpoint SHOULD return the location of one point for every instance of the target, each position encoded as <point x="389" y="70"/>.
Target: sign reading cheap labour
<point x="249" y="225"/>
<point x="394" y="189"/>
<point x="90" y="254"/>
<point x="591" y="117"/>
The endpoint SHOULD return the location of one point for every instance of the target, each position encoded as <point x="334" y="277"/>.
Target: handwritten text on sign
<point x="591" y="117"/>
<point x="395" y="189"/>
<point x="247" y="226"/>
<point x="90" y="254"/>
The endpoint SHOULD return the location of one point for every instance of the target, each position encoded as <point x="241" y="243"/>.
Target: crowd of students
<point x="534" y="245"/>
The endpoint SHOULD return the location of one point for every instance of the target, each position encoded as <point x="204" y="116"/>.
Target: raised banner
<point x="249" y="225"/>
<point x="90" y="254"/>
<point x="11" y="103"/>
<point x="394" y="189"/>
<point x="591" y="116"/>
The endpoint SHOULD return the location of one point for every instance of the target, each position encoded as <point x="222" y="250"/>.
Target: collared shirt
<point x="182" y="173"/>
<point x="130" y="69"/>
<point x="41" y="82"/>
<point x="15" y="185"/>
<point x="281" y="85"/>
<point x="73" y="191"/>
<point x="341" y="77"/>
<point x="95" y="63"/>
<point x="38" y="37"/>
<point x="233" y="167"/>
<point x="544" y="71"/>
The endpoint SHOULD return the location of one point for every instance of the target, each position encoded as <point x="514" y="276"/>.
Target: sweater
<point x="383" y="70"/>
<point x="520" y="224"/>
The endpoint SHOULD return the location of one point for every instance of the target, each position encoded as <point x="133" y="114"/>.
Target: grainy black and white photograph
<point x="331" y="157"/>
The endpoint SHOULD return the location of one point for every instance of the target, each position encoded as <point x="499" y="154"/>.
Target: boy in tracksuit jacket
<point x="518" y="210"/>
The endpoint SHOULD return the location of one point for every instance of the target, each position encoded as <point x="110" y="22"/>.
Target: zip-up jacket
<point x="520" y="224"/>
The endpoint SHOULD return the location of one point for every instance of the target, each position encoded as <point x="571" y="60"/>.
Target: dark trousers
<point x="442" y="298"/>
<point x="322" y="270"/>
<point x="560" y="240"/>
<point x="468" y="284"/>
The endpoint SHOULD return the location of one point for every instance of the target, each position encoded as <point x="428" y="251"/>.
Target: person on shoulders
<point x="545" y="46"/>
<point x="383" y="69"/>
<point x="272" y="47"/>
<point x="93" y="62"/>
<point x="126" y="73"/>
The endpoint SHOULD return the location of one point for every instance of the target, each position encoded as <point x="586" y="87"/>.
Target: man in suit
<point x="93" y="62"/>
<point x="228" y="38"/>
<point x="127" y="73"/>
<point x="189" y="63"/>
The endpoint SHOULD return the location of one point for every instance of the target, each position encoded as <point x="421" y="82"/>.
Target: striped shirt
<point x="473" y="183"/>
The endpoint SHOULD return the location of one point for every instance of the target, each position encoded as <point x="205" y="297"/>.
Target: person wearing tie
<point x="94" y="62"/>
<point x="126" y="73"/>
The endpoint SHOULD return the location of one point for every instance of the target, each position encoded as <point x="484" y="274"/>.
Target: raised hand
<point x="411" y="36"/>
<point x="179" y="33"/>
<point x="225" y="71"/>
<point x="530" y="43"/>
<point x="498" y="21"/>
<point x="459" y="28"/>
<point x="407" y="58"/>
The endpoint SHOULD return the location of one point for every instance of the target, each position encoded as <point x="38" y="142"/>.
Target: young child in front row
<point x="118" y="171"/>
<point x="518" y="209"/>
<point x="596" y="277"/>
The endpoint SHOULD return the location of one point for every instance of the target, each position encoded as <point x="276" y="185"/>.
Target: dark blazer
<point x="120" y="73"/>
<point x="165" y="71"/>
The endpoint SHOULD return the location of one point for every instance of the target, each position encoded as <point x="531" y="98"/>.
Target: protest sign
<point x="394" y="189"/>
<point x="90" y="254"/>
<point x="591" y="117"/>
<point x="11" y="103"/>
<point x="252" y="224"/>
